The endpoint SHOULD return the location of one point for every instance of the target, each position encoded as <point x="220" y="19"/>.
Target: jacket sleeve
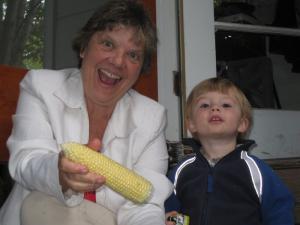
<point x="277" y="204"/>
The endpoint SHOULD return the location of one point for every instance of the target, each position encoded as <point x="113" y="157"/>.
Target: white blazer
<point x="51" y="110"/>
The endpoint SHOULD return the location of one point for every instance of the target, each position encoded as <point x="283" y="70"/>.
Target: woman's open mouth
<point x="108" y="78"/>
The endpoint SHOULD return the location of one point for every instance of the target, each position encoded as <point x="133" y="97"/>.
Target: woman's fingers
<point x="76" y="177"/>
<point x="83" y="183"/>
<point x="95" y="144"/>
<point x="67" y="166"/>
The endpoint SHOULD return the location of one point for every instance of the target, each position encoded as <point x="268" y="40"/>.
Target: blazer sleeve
<point x="152" y="163"/>
<point x="33" y="149"/>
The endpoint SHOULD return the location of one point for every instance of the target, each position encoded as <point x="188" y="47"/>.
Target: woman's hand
<point x="77" y="177"/>
<point x="168" y="214"/>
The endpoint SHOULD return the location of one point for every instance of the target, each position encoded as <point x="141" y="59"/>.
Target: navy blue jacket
<point x="239" y="190"/>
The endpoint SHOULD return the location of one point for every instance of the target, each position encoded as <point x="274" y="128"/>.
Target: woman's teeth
<point x="108" y="78"/>
<point x="110" y="75"/>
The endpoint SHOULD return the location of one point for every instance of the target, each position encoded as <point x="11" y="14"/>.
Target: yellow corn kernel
<point x="119" y="178"/>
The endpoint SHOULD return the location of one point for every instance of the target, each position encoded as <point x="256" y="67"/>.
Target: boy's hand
<point x="168" y="214"/>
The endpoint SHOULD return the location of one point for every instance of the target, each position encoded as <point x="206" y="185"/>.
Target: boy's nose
<point x="215" y="108"/>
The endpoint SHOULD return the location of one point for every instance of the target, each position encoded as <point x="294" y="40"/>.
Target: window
<point x="257" y="46"/>
<point x="21" y="29"/>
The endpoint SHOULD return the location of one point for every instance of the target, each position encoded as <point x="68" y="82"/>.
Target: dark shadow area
<point x="6" y="183"/>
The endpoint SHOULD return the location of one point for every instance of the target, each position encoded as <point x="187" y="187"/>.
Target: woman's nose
<point x="117" y="58"/>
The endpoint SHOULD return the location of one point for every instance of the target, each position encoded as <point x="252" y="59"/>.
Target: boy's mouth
<point x="215" y="119"/>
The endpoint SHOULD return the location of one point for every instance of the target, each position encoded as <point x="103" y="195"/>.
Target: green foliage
<point x="32" y="57"/>
<point x="22" y="34"/>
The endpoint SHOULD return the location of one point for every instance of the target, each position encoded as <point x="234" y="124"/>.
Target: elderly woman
<point x="92" y="105"/>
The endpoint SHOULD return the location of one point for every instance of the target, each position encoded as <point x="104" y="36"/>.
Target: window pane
<point x="280" y="13"/>
<point x="263" y="63"/>
<point x="21" y="28"/>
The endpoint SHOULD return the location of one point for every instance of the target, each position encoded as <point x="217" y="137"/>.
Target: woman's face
<point x="111" y="64"/>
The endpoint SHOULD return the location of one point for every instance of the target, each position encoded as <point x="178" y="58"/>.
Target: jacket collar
<point x="242" y="145"/>
<point x="245" y="144"/>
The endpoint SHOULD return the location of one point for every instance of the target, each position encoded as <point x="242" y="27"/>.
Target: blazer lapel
<point x="75" y="117"/>
<point x="121" y="123"/>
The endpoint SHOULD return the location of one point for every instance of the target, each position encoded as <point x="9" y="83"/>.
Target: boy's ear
<point x="244" y="125"/>
<point x="191" y="126"/>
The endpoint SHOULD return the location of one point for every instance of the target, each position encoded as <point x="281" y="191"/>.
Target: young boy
<point x="222" y="184"/>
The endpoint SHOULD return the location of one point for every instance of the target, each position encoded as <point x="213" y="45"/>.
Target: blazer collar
<point x="71" y="92"/>
<point x="121" y="123"/>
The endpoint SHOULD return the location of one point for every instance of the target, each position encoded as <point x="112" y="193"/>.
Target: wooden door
<point x="147" y="83"/>
<point x="9" y="93"/>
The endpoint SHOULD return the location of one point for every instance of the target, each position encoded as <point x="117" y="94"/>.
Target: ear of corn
<point x="119" y="178"/>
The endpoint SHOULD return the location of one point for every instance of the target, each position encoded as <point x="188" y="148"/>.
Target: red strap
<point x="91" y="196"/>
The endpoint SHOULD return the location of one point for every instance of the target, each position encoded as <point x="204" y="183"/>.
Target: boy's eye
<point x="226" y="105"/>
<point x="204" y="105"/>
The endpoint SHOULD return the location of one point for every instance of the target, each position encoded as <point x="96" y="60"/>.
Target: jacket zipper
<point x="209" y="191"/>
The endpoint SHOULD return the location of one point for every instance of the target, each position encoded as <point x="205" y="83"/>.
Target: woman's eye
<point x="134" y="57"/>
<point x="107" y="44"/>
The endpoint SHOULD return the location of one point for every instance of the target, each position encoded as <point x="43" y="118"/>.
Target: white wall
<point x="199" y="41"/>
<point x="167" y="62"/>
<point x="277" y="133"/>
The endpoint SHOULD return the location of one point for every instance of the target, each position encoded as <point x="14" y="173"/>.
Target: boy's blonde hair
<point x="224" y="86"/>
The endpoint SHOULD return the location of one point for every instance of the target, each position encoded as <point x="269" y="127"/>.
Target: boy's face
<point x="217" y="115"/>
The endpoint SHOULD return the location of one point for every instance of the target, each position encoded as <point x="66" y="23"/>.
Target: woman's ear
<point x="81" y="54"/>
